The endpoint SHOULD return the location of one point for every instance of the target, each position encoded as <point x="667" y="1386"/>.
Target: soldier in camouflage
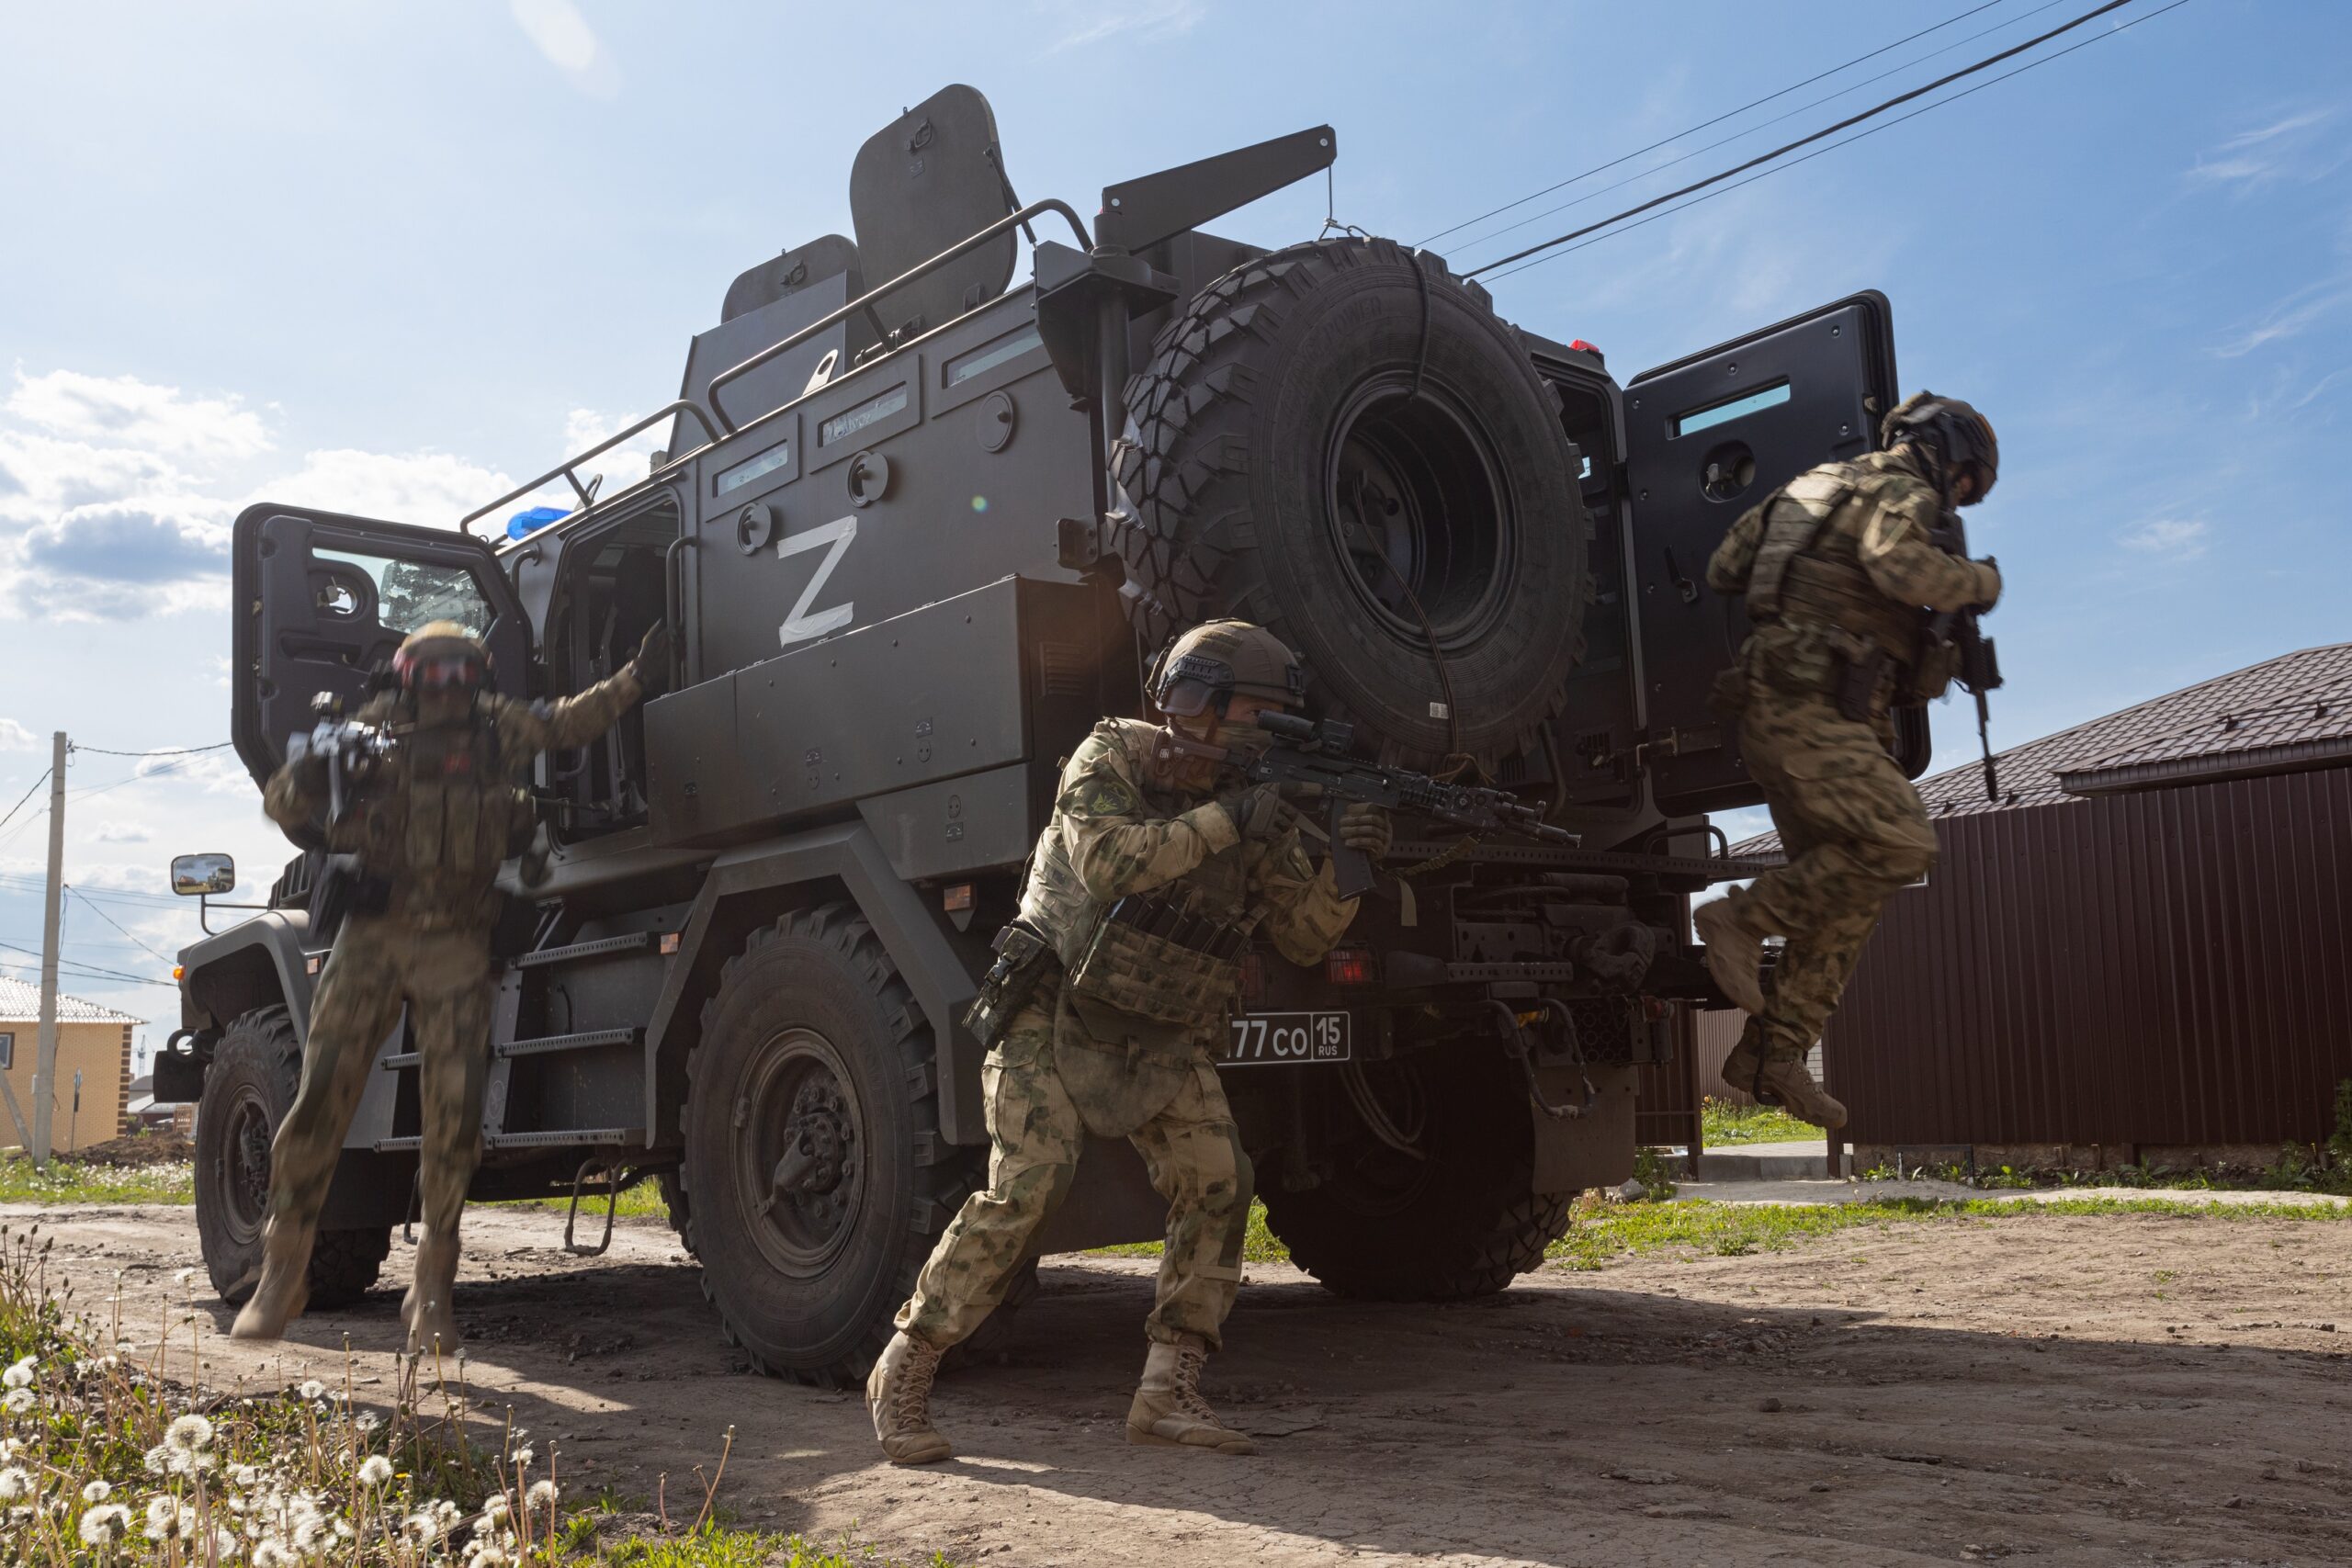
<point x="1106" y="1012"/>
<point x="430" y="828"/>
<point x="1838" y="568"/>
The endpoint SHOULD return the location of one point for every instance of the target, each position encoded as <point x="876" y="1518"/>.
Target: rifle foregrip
<point x="1351" y="871"/>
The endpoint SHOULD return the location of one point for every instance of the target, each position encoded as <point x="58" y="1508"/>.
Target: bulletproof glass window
<point x="407" y="595"/>
<point x="611" y="590"/>
<point x="1731" y="409"/>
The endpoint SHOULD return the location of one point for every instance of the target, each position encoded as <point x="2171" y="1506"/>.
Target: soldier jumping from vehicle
<point x="430" y="825"/>
<point x="1841" y="568"/>
<point x="1105" y="1013"/>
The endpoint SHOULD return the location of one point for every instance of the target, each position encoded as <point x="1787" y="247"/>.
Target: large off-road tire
<point x="1460" y="1221"/>
<point x="813" y="1040"/>
<point x="247" y="1093"/>
<point x="1325" y="420"/>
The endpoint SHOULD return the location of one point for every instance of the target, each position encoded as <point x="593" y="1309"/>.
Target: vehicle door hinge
<point x="1678" y="743"/>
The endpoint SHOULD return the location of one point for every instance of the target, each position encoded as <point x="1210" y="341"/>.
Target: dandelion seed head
<point x="272" y="1553"/>
<point x="421" y="1527"/>
<point x="104" y="1525"/>
<point x="375" y="1471"/>
<point x="97" y="1492"/>
<point x="493" y="1511"/>
<point x="184" y="1276"/>
<point x="541" y="1495"/>
<point x="16" y="1401"/>
<point x="19" y="1373"/>
<point x="168" y="1518"/>
<point x="244" y="1477"/>
<point x="312" y="1389"/>
<point x="16" y="1484"/>
<point x="522" y="1458"/>
<point x="189" y="1434"/>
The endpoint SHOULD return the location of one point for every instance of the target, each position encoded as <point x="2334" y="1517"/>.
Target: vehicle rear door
<point x="1707" y="437"/>
<point x="322" y="600"/>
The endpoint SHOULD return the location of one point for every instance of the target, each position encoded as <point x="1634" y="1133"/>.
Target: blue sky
<point x="390" y="257"/>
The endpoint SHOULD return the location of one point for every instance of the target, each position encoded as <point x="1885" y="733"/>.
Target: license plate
<point x="1271" y="1037"/>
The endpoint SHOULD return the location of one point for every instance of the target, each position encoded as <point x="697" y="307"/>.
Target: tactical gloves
<point x="653" y="662"/>
<point x="1256" y="812"/>
<point x="1366" y="827"/>
<point x="1988" y="575"/>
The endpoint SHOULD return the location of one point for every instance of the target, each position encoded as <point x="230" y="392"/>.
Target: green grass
<point x="643" y="1200"/>
<point x="1611" y="1232"/>
<point x="1724" y="1125"/>
<point x="716" y="1546"/>
<point x="66" y="1182"/>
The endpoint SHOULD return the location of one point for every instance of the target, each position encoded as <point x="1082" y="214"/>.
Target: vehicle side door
<point x="324" y="600"/>
<point x="1707" y="437"/>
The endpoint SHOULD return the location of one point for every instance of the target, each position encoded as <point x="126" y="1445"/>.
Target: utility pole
<point x="52" y="916"/>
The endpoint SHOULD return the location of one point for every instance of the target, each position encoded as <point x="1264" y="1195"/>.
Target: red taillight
<point x="1656" y="1010"/>
<point x="1581" y="346"/>
<point x="1253" y="980"/>
<point x="1349" y="967"/>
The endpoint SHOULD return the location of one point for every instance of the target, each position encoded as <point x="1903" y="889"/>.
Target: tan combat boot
<point x="428" y="1309"/>
<point x="1782" y="1082"/>
<point x="1735" y="954"/>
<point x="285" y="1287"/>
<point x="898" y="1395"/>
<point x="1168" y="1408"/>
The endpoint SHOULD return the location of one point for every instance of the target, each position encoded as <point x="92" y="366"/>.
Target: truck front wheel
<point x="1449" y="1215"/>
<point x="815" y="1179"/>
<point x="247" y="1092"/>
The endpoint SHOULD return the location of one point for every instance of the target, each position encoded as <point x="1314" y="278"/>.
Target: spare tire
<point x="1342" y="443"/>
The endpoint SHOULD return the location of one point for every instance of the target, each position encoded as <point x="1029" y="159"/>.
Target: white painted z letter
<point x="801" y="625"/>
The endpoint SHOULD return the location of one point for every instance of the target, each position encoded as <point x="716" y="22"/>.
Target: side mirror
<point x="202" y="876"/>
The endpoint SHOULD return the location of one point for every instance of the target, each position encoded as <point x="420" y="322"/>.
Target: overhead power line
<point x="1806" y="140"/>
<point x="1726" y="190"/>
<point x="115" y="923"/>
<point x="88" y="971"/>
<point x="29" y="795"/>
<point x="1700" y="151"/>
<point x="162" y="751"/>
<point x="1705" y="124"/>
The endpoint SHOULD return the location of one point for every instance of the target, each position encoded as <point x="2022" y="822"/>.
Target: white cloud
<point x="125" y="411"/>
<point x="433" y="489"/>
<point x="623" y="464"/>
<point x="123" y="833"/>
<point x="127" y="542"/>
<point x="14" y="736"/>
<point x="2288" y="321"/>
<point x="42" y="475"/>
<point x="220" y="773"/>
<point x="2175" y="538"/>
<point x="562" y="35"/>
<point x="2269" y="152"/>
<point x="1082" y="24"/>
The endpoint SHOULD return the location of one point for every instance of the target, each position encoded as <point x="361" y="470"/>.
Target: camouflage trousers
<point x="1854" y="831"/>
<point x="1189" y="1145"/>
<point x="380" y="965"/>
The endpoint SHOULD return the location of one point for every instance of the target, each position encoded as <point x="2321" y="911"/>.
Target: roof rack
<point x="685" y="406"/>
<point x="695" y="411"/>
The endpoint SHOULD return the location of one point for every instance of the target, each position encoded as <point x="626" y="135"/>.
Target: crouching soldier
<point x="1096" y="1022"/>
<point x="431" y="824"/>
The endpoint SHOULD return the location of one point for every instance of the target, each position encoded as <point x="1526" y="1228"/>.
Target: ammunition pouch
<point x="1155" y="958"/>
<point x="344" y="888"/>
<point x="1856" y="693"/>
<point x="1932" y="673"/>
<point x="1023" y="959"/>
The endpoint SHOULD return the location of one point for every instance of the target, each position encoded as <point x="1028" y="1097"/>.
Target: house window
<point x="8" y="1051"/>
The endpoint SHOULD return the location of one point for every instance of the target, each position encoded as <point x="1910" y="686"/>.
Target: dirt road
<point x="2119" y="1389"/>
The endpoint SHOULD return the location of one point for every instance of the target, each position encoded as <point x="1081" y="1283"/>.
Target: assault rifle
<point x="350" y="750"/>
<point x="1322" y="755"/>
<point x="1980" y="667"/>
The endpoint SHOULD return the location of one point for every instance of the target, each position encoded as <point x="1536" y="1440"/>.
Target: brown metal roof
<point x="2290" y="712"/>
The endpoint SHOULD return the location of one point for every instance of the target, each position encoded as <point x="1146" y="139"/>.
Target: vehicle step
<point x="629" y="941"/>
<point x="585" y="1040"/>
<point x="559" y="1139"/>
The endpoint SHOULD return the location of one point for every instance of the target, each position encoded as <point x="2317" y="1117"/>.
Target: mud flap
<point x="1595" y="1149"/>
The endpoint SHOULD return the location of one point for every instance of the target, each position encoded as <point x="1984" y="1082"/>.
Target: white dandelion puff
<point x="189" y="1434"/>
<point x="16" y="1484"/>
<point x="105" y="1525"/>
<point x="375" y="1470"/>
<point x="184" y="1276"/>
<point x="312" y="1389"/>
<point x="19" y="1373"/>
<point x="16" y="1401"/>
<point x="522" y="1458"/>
<point x="168" y="1518"/>
<point x="493" y="1511"/>
<point x="272" y="1553"/>
<point x="542" y="1494"/>
<point x="97" y="1492"/>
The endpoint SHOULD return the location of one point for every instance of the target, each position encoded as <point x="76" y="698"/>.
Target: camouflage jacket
<point x="1121" y="827"/>
<point x="446" y="810"/>
<point x="1838" y="561"/>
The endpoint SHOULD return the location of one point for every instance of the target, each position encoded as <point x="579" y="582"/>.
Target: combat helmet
<point x="1203" y="667"/>
<point x="441" y="656"/>
<point x="1959" y="436"/>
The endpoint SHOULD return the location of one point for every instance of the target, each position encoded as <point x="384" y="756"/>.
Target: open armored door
<point x="324" y="600"/>
<point x="1706" y="438"/>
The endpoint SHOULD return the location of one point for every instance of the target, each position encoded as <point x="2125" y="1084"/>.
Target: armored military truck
<point x="915" y="528"/>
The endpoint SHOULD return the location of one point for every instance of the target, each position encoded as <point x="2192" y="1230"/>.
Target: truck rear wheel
<point x="247" y="1093"/>
<point x="814" y="1178"/>
<point x="1452" y="1220"/>
<point x="1341" y="442"/>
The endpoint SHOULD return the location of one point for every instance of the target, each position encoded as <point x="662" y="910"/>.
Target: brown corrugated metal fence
<point x="2166" y="969"/>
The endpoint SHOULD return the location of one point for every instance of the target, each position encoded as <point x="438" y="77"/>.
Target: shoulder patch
<point x="1101" y="794"/>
